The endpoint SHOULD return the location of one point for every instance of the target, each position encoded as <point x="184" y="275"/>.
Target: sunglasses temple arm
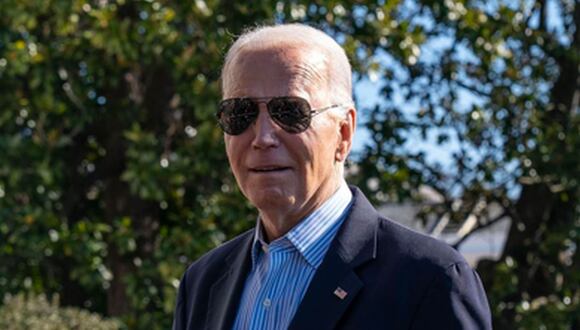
<point x="321" y="110"/>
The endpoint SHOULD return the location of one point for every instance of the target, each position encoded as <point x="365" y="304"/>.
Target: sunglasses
<point x="293" y="114"/>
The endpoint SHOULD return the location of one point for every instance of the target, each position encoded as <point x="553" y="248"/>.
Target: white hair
<point x="338" y="69"/>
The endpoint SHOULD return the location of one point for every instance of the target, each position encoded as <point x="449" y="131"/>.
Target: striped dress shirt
<point x="282" y="270"/>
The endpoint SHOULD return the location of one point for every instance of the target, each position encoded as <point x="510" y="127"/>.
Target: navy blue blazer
<point x="394" y="278"/>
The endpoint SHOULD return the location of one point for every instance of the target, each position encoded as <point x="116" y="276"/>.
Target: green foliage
<point x="23" y="312"/>
<point x="112" y="167"/>
<point x="496" y="86"/>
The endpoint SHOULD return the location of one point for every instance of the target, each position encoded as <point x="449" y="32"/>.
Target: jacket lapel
<point x="336" y="283"/>
<point x="225" y="293"/>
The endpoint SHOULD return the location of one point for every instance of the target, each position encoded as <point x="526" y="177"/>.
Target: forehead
<point x="275" y="71"/>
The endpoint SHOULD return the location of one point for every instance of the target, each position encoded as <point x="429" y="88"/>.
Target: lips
<point x="268" y="169"/>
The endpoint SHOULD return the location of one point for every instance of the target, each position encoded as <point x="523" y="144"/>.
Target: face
<point x="286" y="176"/>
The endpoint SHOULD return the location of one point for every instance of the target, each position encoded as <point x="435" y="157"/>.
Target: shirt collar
<point x="312" y="235"/>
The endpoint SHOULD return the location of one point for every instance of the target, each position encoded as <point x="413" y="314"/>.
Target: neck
<point x="277" y="223"/>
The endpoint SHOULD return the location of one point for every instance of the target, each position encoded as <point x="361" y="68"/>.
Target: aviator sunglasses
<point x="293" y="114"/>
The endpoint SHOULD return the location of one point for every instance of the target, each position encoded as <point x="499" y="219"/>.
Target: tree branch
<point x="473" y="89"/>
<point x="543" y="9"/>
<point x="478" y="228"/>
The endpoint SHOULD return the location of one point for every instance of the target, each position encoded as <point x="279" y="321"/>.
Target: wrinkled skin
<point x="286" y="176"/>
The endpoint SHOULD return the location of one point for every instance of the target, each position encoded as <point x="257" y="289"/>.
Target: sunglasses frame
<point x="267" y="100"/>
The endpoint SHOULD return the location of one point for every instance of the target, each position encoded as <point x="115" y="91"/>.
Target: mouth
<point x="269" y="169"/>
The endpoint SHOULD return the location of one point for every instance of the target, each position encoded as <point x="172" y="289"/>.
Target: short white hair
<point x="339" y="72"/>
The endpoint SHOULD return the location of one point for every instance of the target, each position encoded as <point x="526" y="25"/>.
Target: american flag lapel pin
<point x="340" y="293"/>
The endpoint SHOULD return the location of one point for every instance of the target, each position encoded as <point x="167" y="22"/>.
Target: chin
<point x="269" y="197"/>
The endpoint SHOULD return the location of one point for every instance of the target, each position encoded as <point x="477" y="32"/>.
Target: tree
<point x="112" y="174"/>
<point x="499" y="84"/>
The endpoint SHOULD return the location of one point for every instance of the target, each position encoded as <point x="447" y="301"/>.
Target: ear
<point x="347" y="127"/>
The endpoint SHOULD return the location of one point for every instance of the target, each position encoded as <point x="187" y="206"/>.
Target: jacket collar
<point x="336" y="283"/>
<point x="226" y="292"/>
<point x="333" y="287"/>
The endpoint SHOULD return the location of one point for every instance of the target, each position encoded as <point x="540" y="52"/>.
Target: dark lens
<point x="236" y="115"/>
<point x="291" y="113"/>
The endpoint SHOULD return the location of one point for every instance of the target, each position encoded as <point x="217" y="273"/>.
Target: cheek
<point x="318" y="160"/>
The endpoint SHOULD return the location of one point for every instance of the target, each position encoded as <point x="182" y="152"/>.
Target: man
<point x="320" y="257"/>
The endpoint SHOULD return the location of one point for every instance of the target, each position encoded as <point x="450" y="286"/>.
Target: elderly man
<point x="320" y="256"/>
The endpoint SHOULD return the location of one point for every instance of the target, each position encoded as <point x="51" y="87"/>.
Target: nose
<point x="265" y="130"/>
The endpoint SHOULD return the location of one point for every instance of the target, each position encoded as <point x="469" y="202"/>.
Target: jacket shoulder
<point x="195" y="287"/>
<point x="440" y="285"/>
<point x="212" y="262"/>
<point x="414" y="248"/>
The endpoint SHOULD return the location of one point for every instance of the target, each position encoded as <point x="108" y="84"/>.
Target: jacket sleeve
<point x="455" y="300"/>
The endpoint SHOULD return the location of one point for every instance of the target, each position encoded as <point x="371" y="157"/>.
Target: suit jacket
<point x="394" y="278"/>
